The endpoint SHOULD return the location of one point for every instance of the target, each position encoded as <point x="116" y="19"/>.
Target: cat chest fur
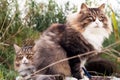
<point x="74" y="44"/>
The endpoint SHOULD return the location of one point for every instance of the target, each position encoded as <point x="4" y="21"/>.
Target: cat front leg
<point x="85" y="78"/>
<point x="82" y="65"/>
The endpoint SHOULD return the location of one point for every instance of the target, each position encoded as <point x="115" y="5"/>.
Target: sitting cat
<point x="87" y="31"/>
<point x="83" y="32"/>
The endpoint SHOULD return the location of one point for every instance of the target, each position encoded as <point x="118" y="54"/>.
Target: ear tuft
<point x="84" y="6"/>
<point x="102" y="7"/>
<point x="17" y="48"/>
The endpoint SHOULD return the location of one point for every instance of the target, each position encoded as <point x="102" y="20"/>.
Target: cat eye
<point x="91" y="18"/>
<point x="101" y="18"/>
<point x="89" y="14"/>
<point x="29" y="56"/>
<point x="20" y="57"/>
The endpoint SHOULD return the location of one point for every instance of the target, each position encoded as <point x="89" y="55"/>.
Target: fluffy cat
<point x="83" y="32"/>
<point x="86" y="32"/>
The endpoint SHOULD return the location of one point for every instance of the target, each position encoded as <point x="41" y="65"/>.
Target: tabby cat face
<point x="93" y="17"/>
<point x="92" y="23"/>
<point x="23" y="58"/>
<point x="90" y="17"/>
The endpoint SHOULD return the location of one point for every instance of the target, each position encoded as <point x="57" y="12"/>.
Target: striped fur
<point x="92" y="23"/>
<point x="84" y="31"/>
<point x="23" y="62"/>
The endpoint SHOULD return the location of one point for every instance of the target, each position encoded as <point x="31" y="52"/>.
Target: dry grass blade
<point x="3" y="22"/>
<point x="115" y="25"/>
<point x="117" y="52"/>
<point x="4" y="44"/>
<point x="113" y="44"/>
<point x="108" y="52"/>
<point x="18" y="31"/>
<point x="95" y="72"/>
<point x="8" y="26"/>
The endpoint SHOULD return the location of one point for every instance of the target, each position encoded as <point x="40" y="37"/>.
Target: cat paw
<point x="114" y="78"/>
<point x="19" y="78"/>
<point x="85" y="78"/>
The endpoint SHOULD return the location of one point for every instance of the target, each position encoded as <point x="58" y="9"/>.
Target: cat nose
<point x="25" y="60"/>
<point x="97" y="21"/>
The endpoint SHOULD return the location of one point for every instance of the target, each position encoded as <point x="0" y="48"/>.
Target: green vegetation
<point x="16" y="30"/>
<point x="13" y="29"/>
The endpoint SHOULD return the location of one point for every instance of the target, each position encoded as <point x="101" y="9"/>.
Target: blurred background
<point x="22" y="22"/>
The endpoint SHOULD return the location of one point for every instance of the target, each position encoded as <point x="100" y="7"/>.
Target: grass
<point x="7" y="53"/>
<point x="7" y="74"/>
<point x="114" y="60"/>
<point x="6" y="65"/>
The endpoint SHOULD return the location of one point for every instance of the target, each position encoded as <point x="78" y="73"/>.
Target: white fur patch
<point x="70" y="78"/>
<point x="24" y="66"/>
<point x="114" y="78"/>
<point x="25" y="60"/>
<point x="26" y="70"/>
<point x="85" y="78"/>
<point x="19" y="78"/>
<point x="82" y="65"/>
<point x="83" y="61"/>
<point x="95" y="34"/>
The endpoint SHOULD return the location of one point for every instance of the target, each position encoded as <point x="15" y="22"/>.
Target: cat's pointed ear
<point x="17" y="48"/>
<point x="102" y="7"/>
<point x="84" y="6"/>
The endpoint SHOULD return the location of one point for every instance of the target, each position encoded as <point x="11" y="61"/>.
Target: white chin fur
<point x="23" y="69"/>
<point x="95" y="35"/>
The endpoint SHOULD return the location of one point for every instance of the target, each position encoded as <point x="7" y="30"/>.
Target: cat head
<point x="23" y="57"/>
<point x="94" y="18"/>
<point x="92" y="23"/>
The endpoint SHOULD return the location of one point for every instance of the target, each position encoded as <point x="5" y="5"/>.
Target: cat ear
<point x="34" y="48"/>
<point x="17" y="48"/>
<point x="84" y="6"/>
<point x="102" y="7"/>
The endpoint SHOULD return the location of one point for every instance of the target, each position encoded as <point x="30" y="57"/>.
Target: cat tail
<point x="100" y="67"/>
